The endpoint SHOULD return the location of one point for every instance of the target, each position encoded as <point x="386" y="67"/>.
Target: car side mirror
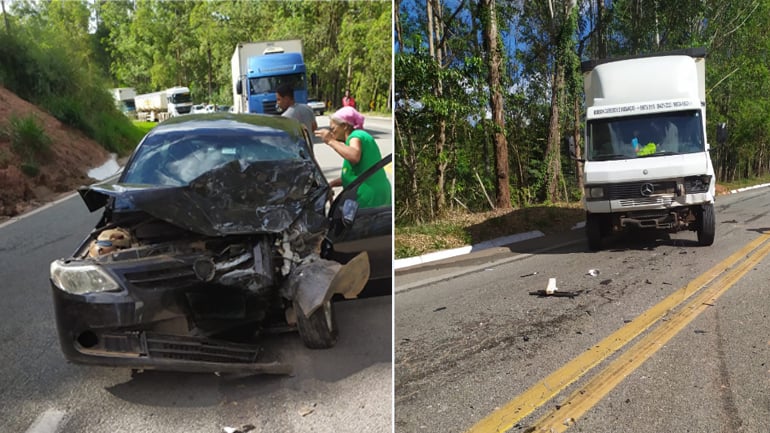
<point x="239" y="88"/>
<point x="349" y="211"/>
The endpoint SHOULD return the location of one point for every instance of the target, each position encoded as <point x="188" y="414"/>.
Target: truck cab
<point x="647" y="160"/>
<point x="266" y="73"/>
<point x="179" y="101"/>
<point x="259" y="68"/>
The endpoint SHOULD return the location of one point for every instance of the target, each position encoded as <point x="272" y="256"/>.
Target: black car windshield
<point x="176" y="158"/>
<point x="671" y="133"/>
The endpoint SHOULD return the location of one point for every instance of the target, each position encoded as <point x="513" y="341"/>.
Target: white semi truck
<point x="647" y="163"/>
<point x="159" y="106"/>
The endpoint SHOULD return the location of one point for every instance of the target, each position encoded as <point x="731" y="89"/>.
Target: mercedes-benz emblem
<point x="647" y="189"/>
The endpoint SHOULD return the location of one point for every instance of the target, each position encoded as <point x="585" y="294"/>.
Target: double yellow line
<point x="723" y="276"/>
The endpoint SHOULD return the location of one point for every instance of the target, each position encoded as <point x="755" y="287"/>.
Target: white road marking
<point x="40" y="209"/>
<point x="47" y="422"/>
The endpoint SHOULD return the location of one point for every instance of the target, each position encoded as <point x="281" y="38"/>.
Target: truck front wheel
<point x="706" y="225"/>
<point x="594" y="231"/>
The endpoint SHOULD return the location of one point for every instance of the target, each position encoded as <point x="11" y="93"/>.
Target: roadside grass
<point x="29" y="141"/>
<point x="729" y="186"/>
<point x="459" y="229"/>
<point x="144" y="127"/>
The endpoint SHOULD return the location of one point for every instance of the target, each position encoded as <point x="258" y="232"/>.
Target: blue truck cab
<point x="267" y="72"/>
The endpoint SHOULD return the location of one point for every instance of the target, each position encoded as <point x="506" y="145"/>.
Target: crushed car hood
<point x="263" y="197"/>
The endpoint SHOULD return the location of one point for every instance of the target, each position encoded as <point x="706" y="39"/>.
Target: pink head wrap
<point x="350" y="116"/>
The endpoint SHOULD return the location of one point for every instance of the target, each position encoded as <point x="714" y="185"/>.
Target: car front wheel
<point x="319" y="331"/>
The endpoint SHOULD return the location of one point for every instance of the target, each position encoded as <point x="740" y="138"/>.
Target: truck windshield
<point x="659" y="134"/>
<point x="269" y="84"/>
<point x="179" y="98"/>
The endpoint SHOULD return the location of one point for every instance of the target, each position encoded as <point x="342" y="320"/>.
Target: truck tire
<point x="706" y="225"/>
<point x="319" y="331"/>
<point x="594" y="231"/>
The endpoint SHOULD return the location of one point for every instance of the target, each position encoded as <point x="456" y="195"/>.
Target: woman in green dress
<point x="359" y="151"/>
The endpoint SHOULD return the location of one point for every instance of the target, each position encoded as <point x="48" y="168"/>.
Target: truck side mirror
<point x="722" y="134"/>
<point x="239" y="88"/>
<point x="314" y="80"/>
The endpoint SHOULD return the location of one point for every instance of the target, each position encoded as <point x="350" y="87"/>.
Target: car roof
<point x="222" y="120"/>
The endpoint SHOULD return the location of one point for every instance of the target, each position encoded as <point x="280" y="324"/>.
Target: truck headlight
<point x="80" y="279"/>
<point x="594" y="192"/>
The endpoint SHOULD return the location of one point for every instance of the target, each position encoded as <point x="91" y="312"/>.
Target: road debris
<point x="528" y="275"/>
<point x="593" y="272"/>
<point x="551" y="288"/>
<point x="543" y="294"/>
<point x="439" y="309"/>
<point x="605" y="282"/>
<point x="244" y="429"/>
<point x="307" y="410"/>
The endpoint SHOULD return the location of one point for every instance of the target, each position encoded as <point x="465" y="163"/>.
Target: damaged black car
<point x="219" y="227"/>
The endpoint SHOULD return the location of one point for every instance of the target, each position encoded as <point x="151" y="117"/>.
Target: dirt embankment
<point x="72" y="155"/>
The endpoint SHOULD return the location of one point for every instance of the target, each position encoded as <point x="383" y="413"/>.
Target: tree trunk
<point x="435" y="32"/>
<point x="502" y="181"/>
<point x="578" y="150"/>
<point x="553" y="150"/>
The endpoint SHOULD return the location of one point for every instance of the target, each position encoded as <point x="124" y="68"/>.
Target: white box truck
<point x="159" y="106"/>
<point x="258" y="68"/>
<point x="647" y="163"/>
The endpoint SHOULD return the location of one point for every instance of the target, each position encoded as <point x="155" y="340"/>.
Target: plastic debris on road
<point x="553" y="291"/>
<point x="593" y="272"/>
<point x="551" y="288"/>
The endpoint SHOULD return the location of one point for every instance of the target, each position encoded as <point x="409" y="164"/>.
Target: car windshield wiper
<point x="610" y="156"/>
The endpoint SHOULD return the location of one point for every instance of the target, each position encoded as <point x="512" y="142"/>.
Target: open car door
<point x="353" y="229"/>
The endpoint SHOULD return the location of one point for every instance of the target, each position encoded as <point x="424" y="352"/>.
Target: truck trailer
<point x="159" y="106"/>
<point x="258" y="68"/>
<point x="647" y="162"/>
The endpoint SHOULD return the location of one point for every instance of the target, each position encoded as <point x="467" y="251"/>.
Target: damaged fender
<point x="316" y="280"/>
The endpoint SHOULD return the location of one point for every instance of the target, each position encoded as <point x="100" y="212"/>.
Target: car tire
<point x="319" y="331"/>
<point x="594" y="231"/>
<point x="706" y="225"/>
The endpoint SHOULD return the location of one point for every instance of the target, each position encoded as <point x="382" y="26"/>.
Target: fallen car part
<point x="312" y="285"/>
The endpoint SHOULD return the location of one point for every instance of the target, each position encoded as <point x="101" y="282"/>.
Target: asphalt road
<point x="344" y="389"/>
<point x="476" y="351"/>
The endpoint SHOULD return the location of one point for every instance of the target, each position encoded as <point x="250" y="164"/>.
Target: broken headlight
<point x="80" y="279"/>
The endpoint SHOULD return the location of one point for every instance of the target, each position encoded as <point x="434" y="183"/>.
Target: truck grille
<point x="647" y="201"/>
<point x="633" y="190"/>
<point x="269" y="107"/>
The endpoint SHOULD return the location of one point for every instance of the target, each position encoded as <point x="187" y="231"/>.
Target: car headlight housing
<point x="594" y="192"/>
<point x="80" y="279"/>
